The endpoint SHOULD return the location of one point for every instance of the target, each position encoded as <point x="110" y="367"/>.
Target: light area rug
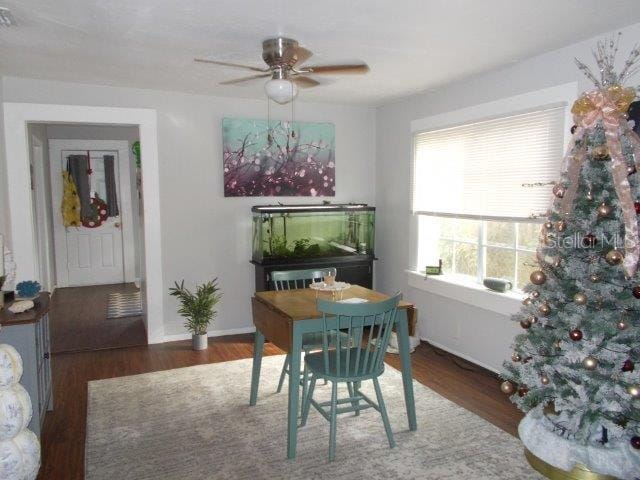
<point x="123" y="305"/>
<point x="196" y="423"/>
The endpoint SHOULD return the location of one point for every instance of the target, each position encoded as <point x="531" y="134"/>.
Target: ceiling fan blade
<point x="245" y="79"/>
<point x="304" y="82"/>
<point x="321" y="69"/>
<point x="228" y="64"/>
<point x="303" y="55"/>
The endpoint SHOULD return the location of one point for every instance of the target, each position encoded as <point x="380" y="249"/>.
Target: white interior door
<point x="90" y="256"/>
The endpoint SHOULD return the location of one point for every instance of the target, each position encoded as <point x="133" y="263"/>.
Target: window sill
<point x="466" y="291"/>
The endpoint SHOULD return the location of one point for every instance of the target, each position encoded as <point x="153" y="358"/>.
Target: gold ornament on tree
<point x="594" y="277"/>
<point x="548" y="225"/>
<point x="634" y="391"/>
<point x="590" y="363"/>
<point x="526" y="301"/>
<point x="614" y="257"/>
<point x="604" y="210"/>
<point x="600" y="152"/>
<point x="590" y="195"/>
<point x="544" y="309"/>
<point x="622" y="325"/>
<point x="561" y="225"/>
<point x="544" y="379"/>
<point x="580" y="298"/>
<point x="507" y="387"/>
<point x="516" y="357"/>
<point x="538" y="277"/>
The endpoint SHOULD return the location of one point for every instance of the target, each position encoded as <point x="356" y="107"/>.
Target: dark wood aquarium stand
<point x="357" y="270"/>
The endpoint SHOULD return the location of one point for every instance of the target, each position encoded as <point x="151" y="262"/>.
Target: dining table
<point x="283" y="317"/>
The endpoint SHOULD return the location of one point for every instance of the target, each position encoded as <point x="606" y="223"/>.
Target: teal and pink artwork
<point x="280" y="158"/>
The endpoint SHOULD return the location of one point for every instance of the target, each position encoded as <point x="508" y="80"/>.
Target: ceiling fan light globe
<point x="280" y="90"/>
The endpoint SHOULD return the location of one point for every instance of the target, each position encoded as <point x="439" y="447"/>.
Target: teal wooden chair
<point x="368" y="327"/>
<point x="294" y="279"/>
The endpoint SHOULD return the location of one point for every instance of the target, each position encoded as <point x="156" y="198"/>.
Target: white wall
<point x="4" y="194"/>
<point x="484" y="336"/>
<point x="204" y="234"/>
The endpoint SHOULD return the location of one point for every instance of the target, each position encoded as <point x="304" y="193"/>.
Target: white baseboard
<point x="461" y="355"/>
<point x="214" y="333"/>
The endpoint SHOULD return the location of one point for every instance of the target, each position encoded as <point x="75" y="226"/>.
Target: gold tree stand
<point x="578" y="472"/>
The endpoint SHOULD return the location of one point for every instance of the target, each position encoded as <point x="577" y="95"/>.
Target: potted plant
<point x="198" y="309"/>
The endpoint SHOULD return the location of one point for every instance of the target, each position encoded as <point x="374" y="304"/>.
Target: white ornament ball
<point x="20" y="457"/>
<point x="15" y="411"/>
<point x="10" y="366"/>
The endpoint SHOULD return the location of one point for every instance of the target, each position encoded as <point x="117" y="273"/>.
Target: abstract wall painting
<point x="278" y="159"/>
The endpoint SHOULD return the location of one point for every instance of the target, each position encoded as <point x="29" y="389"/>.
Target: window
<point x="479" y="248"/>
<point x="471" y="207"/>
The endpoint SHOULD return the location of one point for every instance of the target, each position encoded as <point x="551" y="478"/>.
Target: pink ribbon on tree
<point x="608" y="106"/>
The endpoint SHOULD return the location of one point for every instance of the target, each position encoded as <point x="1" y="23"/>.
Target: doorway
<point x="87" y="190"/>
<point x="17" y="117"/>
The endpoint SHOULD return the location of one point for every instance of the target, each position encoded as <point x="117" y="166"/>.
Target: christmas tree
<point x="576" y="367"/>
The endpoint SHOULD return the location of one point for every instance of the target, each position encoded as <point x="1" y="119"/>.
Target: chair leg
<point x="352" y="393"/>
<point x="285" y="370"/>
<point x="307" y="401"/>
<point x="383" y="413"/>
<point x="305" y="384"/>
<point x="333" y="417"/>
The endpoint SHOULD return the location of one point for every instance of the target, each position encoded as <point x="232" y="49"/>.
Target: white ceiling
<point x="410" y="45"/>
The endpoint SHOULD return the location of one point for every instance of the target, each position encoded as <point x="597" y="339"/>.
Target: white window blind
<point x="477" y="170"/>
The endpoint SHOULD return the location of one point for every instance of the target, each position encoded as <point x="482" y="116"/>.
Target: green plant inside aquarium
<point x="312" y="234"/>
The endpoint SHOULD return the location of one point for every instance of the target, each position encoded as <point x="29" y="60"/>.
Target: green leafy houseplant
<point x="197" y="307"/>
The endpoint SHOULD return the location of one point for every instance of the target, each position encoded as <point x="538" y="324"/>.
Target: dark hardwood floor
<point x="78" y="320"/>
<point x="64" y="428"/>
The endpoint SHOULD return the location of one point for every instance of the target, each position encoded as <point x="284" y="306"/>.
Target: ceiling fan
<point x="285" y="59"/>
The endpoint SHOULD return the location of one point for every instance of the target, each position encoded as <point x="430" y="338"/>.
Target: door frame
<point x="39" y="156"/>
<point x="124" y="200"/>
<point x="17" y="116"/>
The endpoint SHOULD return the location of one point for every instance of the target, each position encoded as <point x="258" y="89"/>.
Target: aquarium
<point x="312" y="231"/>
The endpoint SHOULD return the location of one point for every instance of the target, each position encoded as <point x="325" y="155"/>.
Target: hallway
<point x="79" y="320"/>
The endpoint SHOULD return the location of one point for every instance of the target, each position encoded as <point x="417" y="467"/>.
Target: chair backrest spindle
<point x="361" y="333"/>
<point x="295" y="279"/>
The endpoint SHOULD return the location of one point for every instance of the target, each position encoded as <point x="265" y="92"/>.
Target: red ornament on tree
<point x="628" y="366"/>
<point x="589" y="241"/>
<point x="522" y="391"/>
<point x="575" y="335"/>
<point x="637" y="207"/>
<point x="636" y="291"/>
<point x="525" y="323"/>
<point x="635" y="442"/>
